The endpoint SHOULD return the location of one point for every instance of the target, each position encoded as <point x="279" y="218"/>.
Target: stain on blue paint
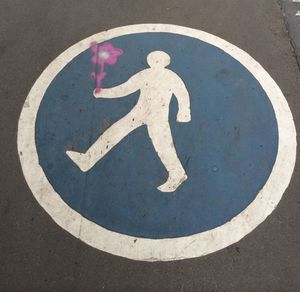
<point x="228" y="149"/>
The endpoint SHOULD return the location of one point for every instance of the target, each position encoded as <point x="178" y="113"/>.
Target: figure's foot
<point x="172" y="183"/>
<point x="79" y="159"/>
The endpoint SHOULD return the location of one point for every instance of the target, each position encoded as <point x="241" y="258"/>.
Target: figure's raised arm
<point x="128" y="87"/>
<point x="183" y="98"/>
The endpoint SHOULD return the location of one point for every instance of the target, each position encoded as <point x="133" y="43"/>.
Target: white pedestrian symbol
<point x="157" y="84"/>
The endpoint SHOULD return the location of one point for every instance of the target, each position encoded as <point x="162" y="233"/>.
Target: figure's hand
<point x="97" y="92"/>
<point x="184" y="117"/>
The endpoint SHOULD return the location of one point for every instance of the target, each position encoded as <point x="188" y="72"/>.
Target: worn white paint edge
<point x="158" y="249"/>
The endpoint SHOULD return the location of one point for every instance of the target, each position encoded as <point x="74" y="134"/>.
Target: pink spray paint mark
<point x="103" y="54"/>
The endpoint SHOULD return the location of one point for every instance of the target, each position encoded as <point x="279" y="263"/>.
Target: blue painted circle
<point x="227" y="150"/>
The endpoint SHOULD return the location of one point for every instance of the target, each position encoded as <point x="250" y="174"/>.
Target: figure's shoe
<point x="79" y="159"/>
<point x="172" y="183"/>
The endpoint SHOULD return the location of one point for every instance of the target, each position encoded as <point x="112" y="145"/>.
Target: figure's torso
<point x="156" y="91"/>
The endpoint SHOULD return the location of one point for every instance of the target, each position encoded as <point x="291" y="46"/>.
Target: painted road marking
<point x="238" y="150"/>
<point x="151" y="110"/>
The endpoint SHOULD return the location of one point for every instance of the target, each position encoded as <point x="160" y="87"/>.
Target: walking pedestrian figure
<point x="157" y="84"/>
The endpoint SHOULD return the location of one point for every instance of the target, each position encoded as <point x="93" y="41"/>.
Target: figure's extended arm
<point x="128" y="87"/>
<point x="183" y="97"/>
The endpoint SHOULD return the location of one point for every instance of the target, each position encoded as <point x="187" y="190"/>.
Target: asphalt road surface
<point x="38" y="255"/>
<point x="291" y="13"/>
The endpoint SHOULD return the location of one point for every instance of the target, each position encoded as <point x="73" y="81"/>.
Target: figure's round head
<point x="158" y="59"/>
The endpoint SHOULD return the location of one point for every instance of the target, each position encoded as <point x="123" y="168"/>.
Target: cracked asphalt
<point x="291" y="15"/>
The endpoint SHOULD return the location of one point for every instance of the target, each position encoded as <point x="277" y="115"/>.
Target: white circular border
<point x="158" y="249"/>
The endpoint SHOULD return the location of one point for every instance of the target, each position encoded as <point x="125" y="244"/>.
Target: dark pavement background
<point x="35" y="253"/>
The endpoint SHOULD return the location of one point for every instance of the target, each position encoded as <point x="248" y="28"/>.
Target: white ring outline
<point x="195" y="245"/>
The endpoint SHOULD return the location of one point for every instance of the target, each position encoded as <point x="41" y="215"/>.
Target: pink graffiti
<point x="103" y="54"/>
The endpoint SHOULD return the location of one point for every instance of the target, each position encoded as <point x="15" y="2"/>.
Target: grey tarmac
<point x="35" y="253"/>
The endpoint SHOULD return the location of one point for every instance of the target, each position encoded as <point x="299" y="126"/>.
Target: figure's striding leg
<point x="162" y="140"/>
<point x="111" y="137"/>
